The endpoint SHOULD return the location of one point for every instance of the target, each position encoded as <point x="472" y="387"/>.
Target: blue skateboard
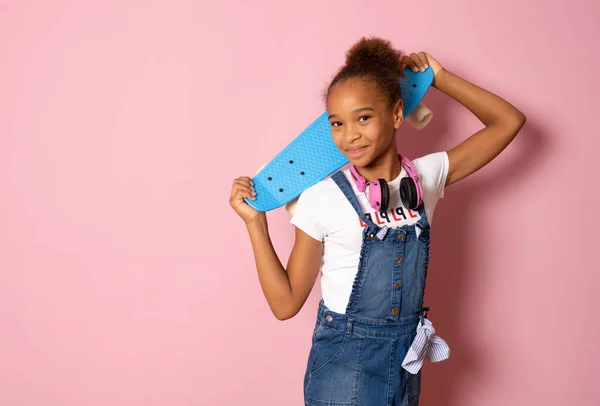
<point x="312" y="156"/>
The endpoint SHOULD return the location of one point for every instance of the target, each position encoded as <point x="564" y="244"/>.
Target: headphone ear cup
<point x="408" y="193"/>
<point x="385" y="195"/>
<point x="378" y="194"/>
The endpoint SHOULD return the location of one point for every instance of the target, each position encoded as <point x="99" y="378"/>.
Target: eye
<point x="364" y="118"/>
<point x="335" y="124"/>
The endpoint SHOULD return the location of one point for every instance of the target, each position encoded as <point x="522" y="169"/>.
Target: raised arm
<point x="286" y="290"/>
<point x="501" y="119"/>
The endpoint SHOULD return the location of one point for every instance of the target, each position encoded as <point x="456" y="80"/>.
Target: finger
<point x="246" y="189"/>
<point x="244" y="179"/>
<point x="410" y="64"/>
<point x="424" y="59"/>
<point x="418" y="62"/>
<point x="243" y="194"/>
<point x="237" y="187"/>
<point x="243" y="182"/>
<point x="404" y="61"/>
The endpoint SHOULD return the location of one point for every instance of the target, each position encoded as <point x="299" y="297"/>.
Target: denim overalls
<point x="356" y="357"/>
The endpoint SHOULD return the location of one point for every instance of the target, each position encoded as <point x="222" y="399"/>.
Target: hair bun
<point x="374" y="52"/>
<point x="376" y="61"/>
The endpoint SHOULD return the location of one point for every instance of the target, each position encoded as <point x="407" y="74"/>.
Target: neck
<point x="386" y="166"/>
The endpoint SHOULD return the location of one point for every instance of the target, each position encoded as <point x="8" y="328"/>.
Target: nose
<point x="351" y="133"/>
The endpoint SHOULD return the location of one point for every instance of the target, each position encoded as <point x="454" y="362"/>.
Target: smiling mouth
<point x="354" y="151"/>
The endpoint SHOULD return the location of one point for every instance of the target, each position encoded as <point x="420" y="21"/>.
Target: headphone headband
<point x="374" y="192"/>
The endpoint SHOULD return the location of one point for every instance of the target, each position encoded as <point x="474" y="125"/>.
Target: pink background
<point x="126" y="278"/>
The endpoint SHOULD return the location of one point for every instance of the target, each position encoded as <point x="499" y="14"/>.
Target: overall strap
<point x="340" y="179"/>
<point x="423" y="223"/>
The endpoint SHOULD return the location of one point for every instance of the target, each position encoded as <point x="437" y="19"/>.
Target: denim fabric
<point x="356" y="357"/>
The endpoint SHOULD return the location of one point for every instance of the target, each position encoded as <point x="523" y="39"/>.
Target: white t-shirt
<point x="324" y="213"/>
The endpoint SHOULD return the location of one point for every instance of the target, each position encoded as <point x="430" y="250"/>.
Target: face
<point x="362" y="124"/>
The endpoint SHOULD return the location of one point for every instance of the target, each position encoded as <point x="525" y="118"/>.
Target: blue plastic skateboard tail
<point x="312" y="156"/>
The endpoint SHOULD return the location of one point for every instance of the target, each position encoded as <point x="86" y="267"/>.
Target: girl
<point x="367" y="228"/>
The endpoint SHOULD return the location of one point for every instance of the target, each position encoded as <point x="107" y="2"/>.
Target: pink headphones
<point x="378" y="193"/>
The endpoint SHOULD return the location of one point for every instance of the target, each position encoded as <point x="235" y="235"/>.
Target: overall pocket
<point x="328" y="345"/>
<point x="334" y="367"/>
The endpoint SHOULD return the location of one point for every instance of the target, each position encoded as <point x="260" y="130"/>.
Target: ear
<point x="398" y="112"/>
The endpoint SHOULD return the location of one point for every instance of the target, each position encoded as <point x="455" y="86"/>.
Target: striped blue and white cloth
<point x="425" y="345"/>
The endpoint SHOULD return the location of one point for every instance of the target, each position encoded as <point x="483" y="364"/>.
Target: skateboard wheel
<point x="420" y="117"/>
<point x="261" y="168"/>
<point x="290" y="206"/>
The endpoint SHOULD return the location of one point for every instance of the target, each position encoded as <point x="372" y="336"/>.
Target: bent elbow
<point x="522" y="119"/>
<point x="284" y="314"/>
<point x="518" y="119"/>
<point x="513" y="123"/>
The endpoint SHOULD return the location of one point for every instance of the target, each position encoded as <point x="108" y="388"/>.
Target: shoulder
<point x="312" y="199"/>
<point x="311" y="211"/>
<point x="431" y="163"/>
<point x="323" y="187"/>
<point x="433" y="171"/>
<point x="322" y="196"/>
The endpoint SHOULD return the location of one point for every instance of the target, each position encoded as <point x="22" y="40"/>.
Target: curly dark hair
<point x="376" y="61"/>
